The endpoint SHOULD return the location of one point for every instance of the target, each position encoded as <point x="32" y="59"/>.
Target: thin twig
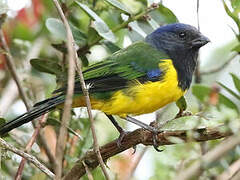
<point x="231" y="171"/>
<point x="12" y="69"/>
<point x="141" y="136"/>
<point x="210" y="157"/>
<point x="88" y="103"/>
<point x="61" y="141"/>
<point x="220" y="67"/>
<point x="29" y="157"/>
<point x="236" y="176"/>
<point x="197" y="70"/>
<point x="29" y="146"/>
<point x="84" y="89"/>
<point x="90" y="176"/>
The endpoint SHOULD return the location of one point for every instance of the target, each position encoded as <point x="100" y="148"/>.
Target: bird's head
<point x="177" y="38"/>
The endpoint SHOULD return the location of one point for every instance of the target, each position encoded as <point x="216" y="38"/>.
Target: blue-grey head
<point x="177" y="38"/>
<point x="181" y="42"/>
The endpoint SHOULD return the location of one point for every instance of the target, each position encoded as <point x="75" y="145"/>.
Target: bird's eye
<point x="182" y="35"/>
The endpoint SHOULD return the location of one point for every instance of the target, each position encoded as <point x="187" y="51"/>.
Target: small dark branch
<point x="212" y="156"/>
<point x="220" y="67"/>
<point x="12" y="70"/>
<point x="140" y="136"/>
<point x="30" y="158"/>
<point x="61" y="141"/>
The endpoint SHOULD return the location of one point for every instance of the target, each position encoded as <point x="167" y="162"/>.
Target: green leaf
<point x="48" y="66"/>
<point x="200" y="92"/>
<point x="60" y="47"/>
<point x="236" y="48"/>
<point x="84" y="60"/>
<point x="229" y="90"/>
<point x="235" y="3"/>
<point x="234" y="16"/>
<point x="227" y="102"/>
<point x="56" y="27"/>
<point x="104" y="31"/>
<point x="135" y="27"/>
<point x="79" y="37"/>
<point x="186" y="123"/>
<point x="2" y="121"/>
<point x="236" y="81"/>
<point x="181" y="103"/>
<point x="92" y="35"/>
<point x="163" y="15"/>
<point x="119" y="5"/>
<point x="100" y="26"/>
<point x="112" y="48"/>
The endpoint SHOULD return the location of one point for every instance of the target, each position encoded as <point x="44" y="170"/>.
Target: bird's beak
<point x="200" y="41"/>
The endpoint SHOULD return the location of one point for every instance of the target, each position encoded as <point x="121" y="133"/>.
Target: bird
<point x="138" y="79"/>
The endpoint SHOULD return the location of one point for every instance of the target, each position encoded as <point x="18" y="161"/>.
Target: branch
<point x="74" y="58"/>
<point x="29" y="146"/>
<point x="230" y="172"/>
<point x="12" y="69"/>
<point x="210" y="157"/>
<point x="141" y="136"/>
<point x="30" y="158"/>
<point x="220" y="67"/>
<point x="89" y="109"/>
<point x="61" y="141"/>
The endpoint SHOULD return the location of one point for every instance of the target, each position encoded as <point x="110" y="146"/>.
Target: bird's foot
<point x="155" y="140"/>
<point x="155" y="133"/>
<point x="121" y="137"/>
<point x="183" y="113"/>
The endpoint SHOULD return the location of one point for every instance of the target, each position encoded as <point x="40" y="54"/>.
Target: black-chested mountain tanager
<point x="136" y="80"/>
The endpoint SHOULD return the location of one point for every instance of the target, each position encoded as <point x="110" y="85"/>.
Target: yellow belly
<point x="143" y="98"/>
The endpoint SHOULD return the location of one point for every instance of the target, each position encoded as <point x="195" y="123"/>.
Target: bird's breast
<point x="144" y="98"/>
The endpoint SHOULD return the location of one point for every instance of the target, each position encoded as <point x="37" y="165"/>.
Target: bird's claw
<point x="120" y="138"/>
<point x="155" y="144"/>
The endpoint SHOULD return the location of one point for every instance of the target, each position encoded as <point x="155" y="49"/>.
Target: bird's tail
<point x="38" y="110"/>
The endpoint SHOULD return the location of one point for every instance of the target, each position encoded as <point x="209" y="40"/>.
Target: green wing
<point x="140" y="61"/>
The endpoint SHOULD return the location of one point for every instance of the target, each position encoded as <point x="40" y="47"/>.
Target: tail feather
<point x="38" y="110"/>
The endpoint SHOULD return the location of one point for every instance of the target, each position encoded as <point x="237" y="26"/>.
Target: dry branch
<point x="73" y="57"/>
<point x="30" y="158"/>
<point x="140" y="136"/>
<point x="12" y="69"/>
<point x="61" y="141"/>
<point x="29" y="146"/>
